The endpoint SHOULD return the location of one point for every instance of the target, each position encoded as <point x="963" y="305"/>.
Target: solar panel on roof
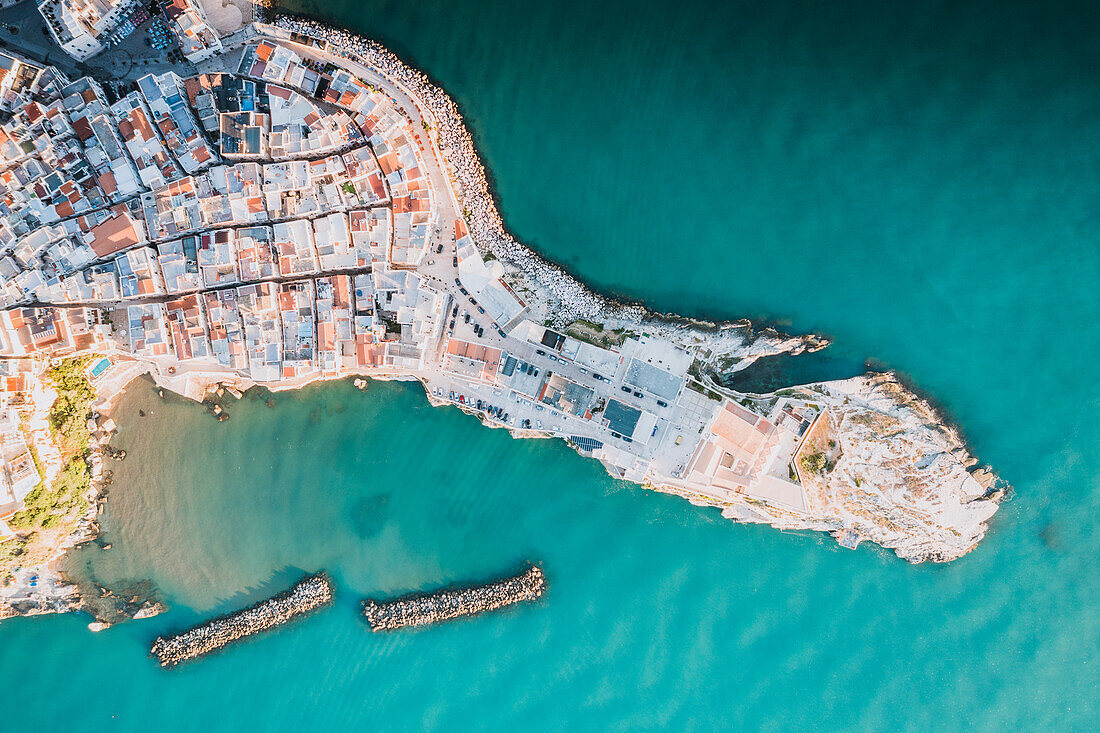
<point x="588" y="444"/>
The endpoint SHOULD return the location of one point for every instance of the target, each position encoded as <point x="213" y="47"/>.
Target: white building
<point x="198" y="39"/>
<point x="79" y="26"/>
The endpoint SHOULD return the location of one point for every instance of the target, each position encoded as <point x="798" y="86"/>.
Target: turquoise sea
<point x="918" y="180"/>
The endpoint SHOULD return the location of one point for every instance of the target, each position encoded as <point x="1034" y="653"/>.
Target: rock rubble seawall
<point x="567" y="299"/>
<point x="574" y="300"/>
<point x="446" y="605"/>
<point x="309" y="594"/>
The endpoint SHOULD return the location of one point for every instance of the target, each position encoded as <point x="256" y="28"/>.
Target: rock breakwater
<point x="309" y="594"/>
<point x="421" y="609"/>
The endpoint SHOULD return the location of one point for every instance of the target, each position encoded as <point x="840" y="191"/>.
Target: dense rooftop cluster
<point x="572" y="300"/>
<point x="309" y="207"/>
<point x="266" y="222"/>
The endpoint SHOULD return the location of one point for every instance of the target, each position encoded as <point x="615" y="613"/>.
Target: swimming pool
<point x="99" y="367"/>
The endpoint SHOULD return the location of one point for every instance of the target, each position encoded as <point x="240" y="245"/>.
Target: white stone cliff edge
<point x="862" y="459"/>
<point x="902" y="478"/>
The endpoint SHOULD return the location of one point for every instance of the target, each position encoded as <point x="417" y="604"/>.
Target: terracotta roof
<point x="115" y="234"/>
<point x="82" y="128"/>
<point x="107" y="182"/>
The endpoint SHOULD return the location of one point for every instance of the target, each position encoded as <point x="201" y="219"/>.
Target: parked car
<point x="662" y="403"/>
<point x="637" y="394"/>
<point x="540" y="352"/>
<point x="626" y="389"/>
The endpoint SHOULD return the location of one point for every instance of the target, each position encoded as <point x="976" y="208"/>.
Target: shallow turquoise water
<point x="918" y="182"/>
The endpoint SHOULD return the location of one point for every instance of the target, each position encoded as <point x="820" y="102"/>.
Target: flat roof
<point x="621" y="419"/>
<point x="653" y="380"/>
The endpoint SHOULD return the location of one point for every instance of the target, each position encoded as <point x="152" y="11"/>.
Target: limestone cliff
<point x="881" y="463"/>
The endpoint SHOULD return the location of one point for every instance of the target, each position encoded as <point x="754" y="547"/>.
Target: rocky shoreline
<point x="721" y="348"/>
<point x="51" y="591"/>
<point x="309" y="594"/>
<point x="895" y="473"/>
<point x="422" y="609"/>
<point x="468" y="174"/>
<point x="569" y="300"/>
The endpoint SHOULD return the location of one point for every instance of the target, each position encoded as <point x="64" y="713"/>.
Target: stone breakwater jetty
<point x="421" y="609"/>
<point x="309" y="594"/>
